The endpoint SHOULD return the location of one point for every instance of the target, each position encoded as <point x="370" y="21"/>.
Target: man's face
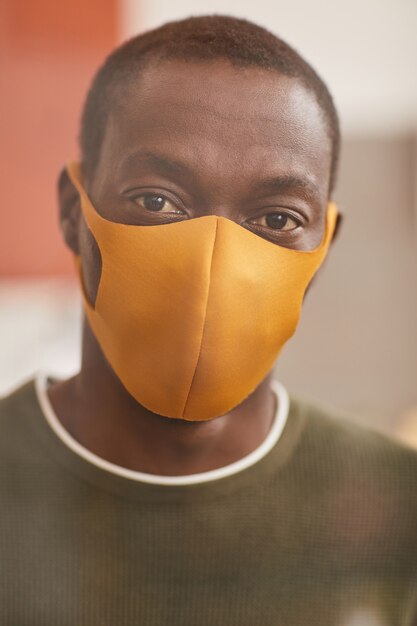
<point x="203" y="138"/>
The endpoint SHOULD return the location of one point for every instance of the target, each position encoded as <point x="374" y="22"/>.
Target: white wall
<point x="40" y="329"/>
<point x="366" y="50"/>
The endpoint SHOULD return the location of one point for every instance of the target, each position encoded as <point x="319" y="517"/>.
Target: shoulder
<point x="20" y="413"/>
<point x="358" y="486"/>
<point x="341" y="432"/>
<point x="18" y="401"/>
<point x="342" y="453"/>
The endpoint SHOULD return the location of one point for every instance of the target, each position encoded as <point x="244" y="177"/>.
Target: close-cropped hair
<point x="205" y="38"/>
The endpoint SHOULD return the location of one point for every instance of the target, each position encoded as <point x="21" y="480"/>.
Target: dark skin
<point x="193" y="139"/>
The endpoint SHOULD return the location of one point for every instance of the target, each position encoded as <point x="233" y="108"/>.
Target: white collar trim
<point x="253" y="457"/>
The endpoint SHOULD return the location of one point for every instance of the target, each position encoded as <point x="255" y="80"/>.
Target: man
<point x="172" y="481"/>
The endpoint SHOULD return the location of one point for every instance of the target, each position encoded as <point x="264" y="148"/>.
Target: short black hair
<point x="202" y="38"/>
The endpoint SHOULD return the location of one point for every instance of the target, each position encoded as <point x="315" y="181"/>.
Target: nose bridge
<point x="223" y="210"/>
<point x="225" y="166"/>
<point x="222" y="197"/>
<point x="220" y="180"/>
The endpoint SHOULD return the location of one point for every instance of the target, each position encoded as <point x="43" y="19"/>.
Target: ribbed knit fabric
<point x="321" y="531"/>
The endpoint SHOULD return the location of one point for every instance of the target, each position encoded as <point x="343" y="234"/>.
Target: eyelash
<point x="287" y="214"/>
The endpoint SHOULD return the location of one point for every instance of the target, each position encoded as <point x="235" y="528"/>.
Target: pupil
<point x="276" y="220"/>
<point x="154" y="203"/>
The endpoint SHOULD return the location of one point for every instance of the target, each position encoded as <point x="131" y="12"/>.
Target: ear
<point x="339" y="221"/>
<point x="69" y="211"/>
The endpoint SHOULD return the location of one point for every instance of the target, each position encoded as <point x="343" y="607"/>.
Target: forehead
<point x="216" y="115"/>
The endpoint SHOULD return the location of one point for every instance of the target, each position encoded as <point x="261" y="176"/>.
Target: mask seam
<point x="204" y="323"/>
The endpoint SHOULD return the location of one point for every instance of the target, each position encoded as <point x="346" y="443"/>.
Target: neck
<point x="100" y="414"/>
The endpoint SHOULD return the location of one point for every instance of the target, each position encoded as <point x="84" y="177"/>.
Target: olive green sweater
<point x="321" y="531"/>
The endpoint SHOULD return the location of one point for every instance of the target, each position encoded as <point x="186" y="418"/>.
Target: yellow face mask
<point x="191" y="315"/>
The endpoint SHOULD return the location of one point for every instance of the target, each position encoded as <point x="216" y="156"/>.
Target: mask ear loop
<point x="74" y="173"/>
<point x="80" y="276"/>
<point x="89" y="213"/>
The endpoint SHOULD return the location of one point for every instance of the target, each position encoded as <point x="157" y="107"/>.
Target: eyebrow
<point x="164" y="164"/>
<point x="288" y="182"/>
<point x="270" y="185"/>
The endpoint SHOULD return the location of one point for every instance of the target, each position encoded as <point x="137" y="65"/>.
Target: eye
<point x="279" y="220"/>
<point x="157" y="203"/>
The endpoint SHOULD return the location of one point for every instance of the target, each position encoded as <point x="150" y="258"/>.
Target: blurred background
<point x="356" y="346"/>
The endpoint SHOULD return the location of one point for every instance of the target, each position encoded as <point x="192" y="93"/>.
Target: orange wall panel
<point x="49" y="51"/>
